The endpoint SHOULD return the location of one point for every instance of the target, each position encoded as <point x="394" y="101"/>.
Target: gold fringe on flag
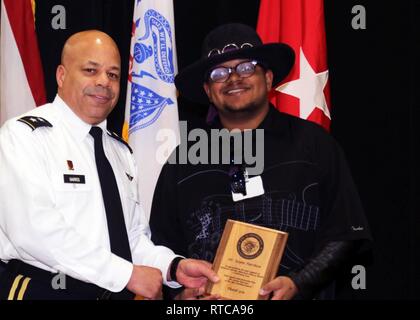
<point x="33" y="3"/>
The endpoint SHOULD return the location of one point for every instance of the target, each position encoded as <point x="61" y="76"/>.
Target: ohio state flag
<point x="300" y="24"/>
<point x="22" y="78"/>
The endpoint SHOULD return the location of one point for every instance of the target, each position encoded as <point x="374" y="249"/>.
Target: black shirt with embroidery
<point x="309" y="193"/>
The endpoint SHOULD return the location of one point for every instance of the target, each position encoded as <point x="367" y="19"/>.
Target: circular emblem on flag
<point x="151" y="86"/>
<point x="250" y="246"/>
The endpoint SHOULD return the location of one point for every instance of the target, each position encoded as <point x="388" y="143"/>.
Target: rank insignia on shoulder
<point x="35" y="122"/>
<point x="117" y="137"/>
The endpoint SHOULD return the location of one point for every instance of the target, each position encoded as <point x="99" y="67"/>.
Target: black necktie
<point x="114" y="213"/>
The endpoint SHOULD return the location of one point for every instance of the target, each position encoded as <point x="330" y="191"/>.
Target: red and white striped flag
<point x="300" y="24"/>
<point x="22" y="78"/>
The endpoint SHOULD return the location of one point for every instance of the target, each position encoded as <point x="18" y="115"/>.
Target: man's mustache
<point x="235" y="85"/>
<point x="100" y="91"/>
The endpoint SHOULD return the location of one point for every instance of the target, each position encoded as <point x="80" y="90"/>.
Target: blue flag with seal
<point x="151" y="116"/>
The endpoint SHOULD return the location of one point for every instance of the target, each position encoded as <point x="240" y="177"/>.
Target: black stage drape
<point x="374" y="108"/>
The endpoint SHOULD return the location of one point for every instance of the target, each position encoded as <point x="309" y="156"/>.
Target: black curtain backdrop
<point x="374" y="109"/>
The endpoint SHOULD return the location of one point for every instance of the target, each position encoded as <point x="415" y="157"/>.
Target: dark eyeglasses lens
<point x="219" y="74"/>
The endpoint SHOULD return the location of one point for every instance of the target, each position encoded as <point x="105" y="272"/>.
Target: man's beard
<point x="247" y="109"/>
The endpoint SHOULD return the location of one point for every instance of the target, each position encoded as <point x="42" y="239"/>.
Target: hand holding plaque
<point x="247" y="258"/>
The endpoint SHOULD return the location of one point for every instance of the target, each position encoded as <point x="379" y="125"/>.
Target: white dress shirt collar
<point x="79" y="128"/>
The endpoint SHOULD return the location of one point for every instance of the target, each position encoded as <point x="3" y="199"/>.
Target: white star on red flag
<point x="308" y="88"/>
<point x="305" y="92"/>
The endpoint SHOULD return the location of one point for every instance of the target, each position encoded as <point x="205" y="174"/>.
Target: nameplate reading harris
<point x="247" y="258"/>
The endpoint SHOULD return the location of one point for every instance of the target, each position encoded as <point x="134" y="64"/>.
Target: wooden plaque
<point x="247" y="258"/>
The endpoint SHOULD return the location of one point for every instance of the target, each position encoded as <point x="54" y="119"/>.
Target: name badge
<point x="74" y="178"/>
<point x="254" y="188"/>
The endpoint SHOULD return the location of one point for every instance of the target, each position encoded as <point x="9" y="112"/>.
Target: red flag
<point x="300" y="24"/>
<point x="22" y="77"/>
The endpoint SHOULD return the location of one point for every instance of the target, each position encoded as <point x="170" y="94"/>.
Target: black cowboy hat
<point x="228" y="42"/>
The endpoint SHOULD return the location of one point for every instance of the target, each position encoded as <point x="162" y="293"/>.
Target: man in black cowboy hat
<point x="305" y="187"/>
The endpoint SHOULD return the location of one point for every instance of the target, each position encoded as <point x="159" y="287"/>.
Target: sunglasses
<point x="244" y="70"/>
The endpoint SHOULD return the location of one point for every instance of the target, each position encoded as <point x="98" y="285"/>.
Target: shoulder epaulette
<point x="35" y="122"/>
<point x="117" y="137"/>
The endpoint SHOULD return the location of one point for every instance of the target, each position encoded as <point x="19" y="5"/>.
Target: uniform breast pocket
<point x="73" y="193"/>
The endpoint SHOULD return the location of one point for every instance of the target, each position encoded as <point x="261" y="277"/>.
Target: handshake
<point x="191" y="273"/>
